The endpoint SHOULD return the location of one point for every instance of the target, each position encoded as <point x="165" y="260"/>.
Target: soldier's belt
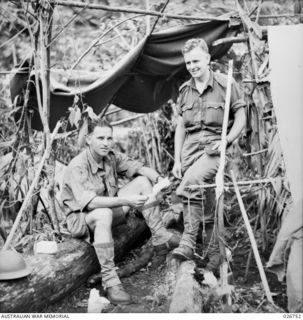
<point x="194" y="129"/>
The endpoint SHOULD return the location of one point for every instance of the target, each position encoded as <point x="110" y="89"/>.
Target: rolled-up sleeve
<point x="178" y="106"/>
<point x="82" y="191"/>
<point x="127" y="166"/>
<point x="237" y="97"/>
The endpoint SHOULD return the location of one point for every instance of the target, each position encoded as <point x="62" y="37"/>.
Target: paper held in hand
<point x="162" y="184"/>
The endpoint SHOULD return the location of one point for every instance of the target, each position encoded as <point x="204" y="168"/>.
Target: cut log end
<point x="186" y="297"/>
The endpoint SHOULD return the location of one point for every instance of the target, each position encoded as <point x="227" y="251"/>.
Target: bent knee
<point x="144" y="183"/>
<point x="100" y="216"/>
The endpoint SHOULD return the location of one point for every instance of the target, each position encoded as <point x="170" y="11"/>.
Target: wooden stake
<point x="230" y="184"/>
<point x="250" y="253"/>
<point x="45" y="20"/>
<point x="252" y="240"/>
<point x="230" y="40"/>
<point x="257" y="121"/>
<point x="220" y="173"/>
<point x="220" y="186"/>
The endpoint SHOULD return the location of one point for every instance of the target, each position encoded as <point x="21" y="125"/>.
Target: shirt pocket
<point x="214" y="114"/>
<point x="191" y="113"/>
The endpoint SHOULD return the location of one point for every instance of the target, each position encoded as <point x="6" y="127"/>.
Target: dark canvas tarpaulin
<point x="142" y="81"/>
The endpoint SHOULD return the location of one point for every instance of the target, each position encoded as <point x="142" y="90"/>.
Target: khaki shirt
<point x="206" y="111"/>
<point x="84" y="178"/>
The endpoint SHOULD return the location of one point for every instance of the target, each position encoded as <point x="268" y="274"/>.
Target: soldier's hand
<point x="216" y="146"/>
<point x="137" y="201"/>
<point x="177" y="170"/>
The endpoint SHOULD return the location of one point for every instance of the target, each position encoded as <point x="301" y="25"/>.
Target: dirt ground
<point x="149" y="295"/>
<point x="144" y="287"/>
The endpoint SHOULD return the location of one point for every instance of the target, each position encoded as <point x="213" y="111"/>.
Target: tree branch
<point x="131" y="10"/>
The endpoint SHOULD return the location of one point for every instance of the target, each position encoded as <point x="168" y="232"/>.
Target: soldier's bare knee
<point x="103" y="216"/>
<point x="144" y="184"/>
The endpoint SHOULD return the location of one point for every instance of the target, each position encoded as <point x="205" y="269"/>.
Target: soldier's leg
<point x="202" y="170"/>
<point x="141" y="185"/>
<point x="100" y="222"/>
<point x="211" y="247"/>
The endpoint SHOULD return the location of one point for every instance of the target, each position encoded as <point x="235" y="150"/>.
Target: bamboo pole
<point x="252" y="240"/>
<point x="154" y="145"/>
<point x="157" y="19"/>
<point x="250" y="252"/>
<point x="149" y="157"/>
<point x="220" y="172"/>
<point x="230" y="184"/>
<point x="31" y="189"/>
<point x="158" y="137"/>
<point x="45" y="20"/>
<point x="114" y="110"/>
<point x="254" y="153"/>
<point x="258" y="122"/>
<point x="77" y="4"/>
<point x="230" y="40"/>
<point x="154" y="13"/>
<point x="219" y="216"/>
<point x="259" y="11"/>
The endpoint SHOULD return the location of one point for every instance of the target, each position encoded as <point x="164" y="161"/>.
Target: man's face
<point x="100" y="142"/>
<point x="196" y="62"/>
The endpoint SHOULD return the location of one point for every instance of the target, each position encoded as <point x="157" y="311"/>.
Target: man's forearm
<point x="106" y="202"/>
<point x="179" y="139"/>
<point x="239" y="124"/>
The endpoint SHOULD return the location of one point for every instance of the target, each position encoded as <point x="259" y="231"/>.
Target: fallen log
<point x="172" y="266"/>
<point x="186" y="297"/>
<point x="55" y="276"/>
<point x="128" y="235"/>
<point x="52" y="278"/>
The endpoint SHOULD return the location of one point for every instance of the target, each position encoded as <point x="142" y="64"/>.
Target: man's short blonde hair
<point x="195" y="43"/>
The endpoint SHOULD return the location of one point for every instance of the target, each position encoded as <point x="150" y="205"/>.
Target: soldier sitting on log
<point x="93" y="202"/>
<point x="197" y="144"/>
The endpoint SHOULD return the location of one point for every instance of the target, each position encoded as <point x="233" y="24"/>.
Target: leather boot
<point x="162" y="250"/>
<point x="117" y="295"/>
<point x="192" y="217"/>
<point x="172" y="243"/>
<point x="183" y="253"/>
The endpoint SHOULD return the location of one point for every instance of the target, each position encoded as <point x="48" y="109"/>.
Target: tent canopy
<point x="142" y="81"/>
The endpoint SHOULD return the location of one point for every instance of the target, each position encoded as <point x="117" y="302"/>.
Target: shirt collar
<point x="210" y="82"/>
<point x="93" y="163"/>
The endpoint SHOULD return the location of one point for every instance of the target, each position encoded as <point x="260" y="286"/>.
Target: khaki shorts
<point x="78" y="227"/>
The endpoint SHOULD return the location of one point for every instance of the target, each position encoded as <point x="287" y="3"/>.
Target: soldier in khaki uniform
<point x="197" y="143"/>
<point x="93" y="203"/>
